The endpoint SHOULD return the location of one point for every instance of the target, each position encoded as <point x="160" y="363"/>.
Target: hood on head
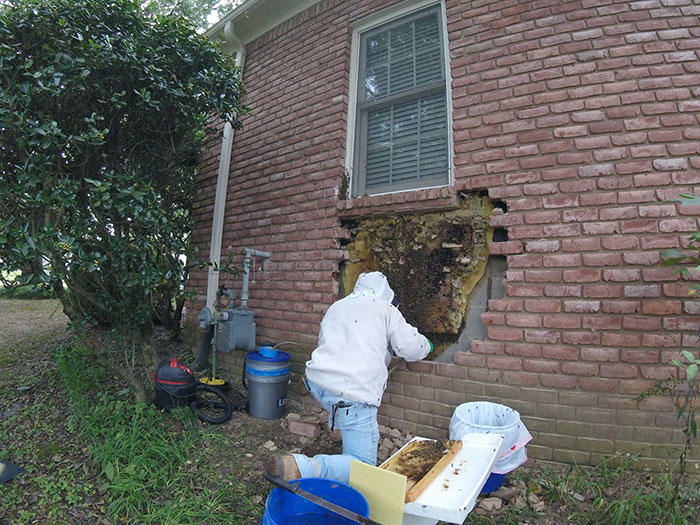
<point x="376" y="283"/>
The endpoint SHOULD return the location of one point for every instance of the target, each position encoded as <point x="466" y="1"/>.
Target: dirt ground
<point x="32" y="329"/>
<point x="27" y="323"/>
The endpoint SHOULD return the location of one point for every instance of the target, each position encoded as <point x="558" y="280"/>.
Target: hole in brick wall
<point x="500" y="205"/>
<point x="342" y="286"/>
<point x="490" y="286"/>
<point x="350" y="224"/>
<point x="433" y="261"/>
<point x="500" y="235"/>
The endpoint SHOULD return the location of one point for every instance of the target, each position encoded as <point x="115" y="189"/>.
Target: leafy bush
<point x="103" y="110"/>
<point x="683" y="261"/>
<point x="683" y="388"/>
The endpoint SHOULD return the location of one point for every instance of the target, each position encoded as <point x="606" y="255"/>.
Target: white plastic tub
<point x="452" y="495"/>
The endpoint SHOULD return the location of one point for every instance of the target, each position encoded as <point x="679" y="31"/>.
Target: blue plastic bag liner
<point x="492" y="418"/>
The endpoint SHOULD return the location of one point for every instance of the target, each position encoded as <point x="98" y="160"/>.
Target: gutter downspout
<point x="217" y="226"/>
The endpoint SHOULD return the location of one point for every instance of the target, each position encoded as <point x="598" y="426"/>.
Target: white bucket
<point x="492" y="418"/>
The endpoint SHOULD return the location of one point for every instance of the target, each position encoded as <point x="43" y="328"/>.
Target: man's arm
<point x="405" y="340"/>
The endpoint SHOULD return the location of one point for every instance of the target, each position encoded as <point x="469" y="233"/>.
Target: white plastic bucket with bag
<point x="491" y="418"/>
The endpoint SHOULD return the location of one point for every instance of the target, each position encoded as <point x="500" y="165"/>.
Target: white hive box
<point x="452" y="495"/>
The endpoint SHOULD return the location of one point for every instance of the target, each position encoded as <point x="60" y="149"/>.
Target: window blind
<point x="403" y="108"/>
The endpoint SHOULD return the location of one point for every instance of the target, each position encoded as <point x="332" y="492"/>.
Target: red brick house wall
<point x="582" y="117"/>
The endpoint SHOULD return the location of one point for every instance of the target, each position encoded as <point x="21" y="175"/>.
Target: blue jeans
<point x="360" y="431"/>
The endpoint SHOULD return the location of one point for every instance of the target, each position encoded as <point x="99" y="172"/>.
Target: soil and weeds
<point x="92" y="455"/>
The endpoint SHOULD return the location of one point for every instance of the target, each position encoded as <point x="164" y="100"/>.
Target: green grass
<point x="52" y="479"/>
<point x="25" y="292"/>
<point x="90" y="452"/>
<point x="615" y="492"/>
<point x="151" y="463"/>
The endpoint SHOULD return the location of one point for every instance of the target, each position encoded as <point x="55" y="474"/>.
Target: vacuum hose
<point x="293" y="343"/>
<point x="202" y="359"/>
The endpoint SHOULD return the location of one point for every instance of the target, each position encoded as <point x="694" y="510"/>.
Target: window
<point x="401" y="113"/>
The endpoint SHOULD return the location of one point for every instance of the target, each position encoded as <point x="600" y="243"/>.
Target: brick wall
<point x="582" y="118"/>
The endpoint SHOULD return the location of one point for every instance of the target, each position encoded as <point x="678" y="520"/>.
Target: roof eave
<point x="253" y="18"/>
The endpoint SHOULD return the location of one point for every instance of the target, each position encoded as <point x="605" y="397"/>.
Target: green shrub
<point x="104" y="107"/>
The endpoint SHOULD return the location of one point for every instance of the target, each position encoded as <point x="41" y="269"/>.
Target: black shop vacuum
<point x="224" y="330"/>
<point x="176" y="386"/>
<point x="227" y="328"/>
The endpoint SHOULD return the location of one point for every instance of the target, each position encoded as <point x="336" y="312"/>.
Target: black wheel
<point x="211" y="405"/>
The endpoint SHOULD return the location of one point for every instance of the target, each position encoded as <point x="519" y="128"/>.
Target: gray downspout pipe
<point x="217" y="227"/>
<point x="222" y="185"/>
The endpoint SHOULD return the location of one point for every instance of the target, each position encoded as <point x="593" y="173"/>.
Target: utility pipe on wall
<point x="246" y="271"/>
<point x="217" y="227"/>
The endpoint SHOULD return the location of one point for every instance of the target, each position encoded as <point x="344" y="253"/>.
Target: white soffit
<point x="254" y="18"/>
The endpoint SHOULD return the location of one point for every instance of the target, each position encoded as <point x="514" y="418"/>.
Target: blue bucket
<point x="284" y="508"/>
<point x="493" y="483"/>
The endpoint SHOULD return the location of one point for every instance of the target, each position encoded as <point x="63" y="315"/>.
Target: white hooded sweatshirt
<point x="355" y="342"/>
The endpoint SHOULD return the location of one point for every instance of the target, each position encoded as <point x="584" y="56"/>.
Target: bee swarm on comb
<point x="419" y="459"/>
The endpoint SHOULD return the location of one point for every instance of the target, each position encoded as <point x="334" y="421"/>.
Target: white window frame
<point x="372" y="22"/>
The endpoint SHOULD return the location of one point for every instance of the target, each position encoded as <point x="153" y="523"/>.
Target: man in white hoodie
<point x="347" y="374"/>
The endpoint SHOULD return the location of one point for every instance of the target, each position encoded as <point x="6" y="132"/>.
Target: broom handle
<point x="337" y="509"/>
<point x="213" y="351"/>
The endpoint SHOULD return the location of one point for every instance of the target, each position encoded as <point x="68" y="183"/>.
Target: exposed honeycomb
<point x="432" y="260"/>
<point x="417" y="461"/>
